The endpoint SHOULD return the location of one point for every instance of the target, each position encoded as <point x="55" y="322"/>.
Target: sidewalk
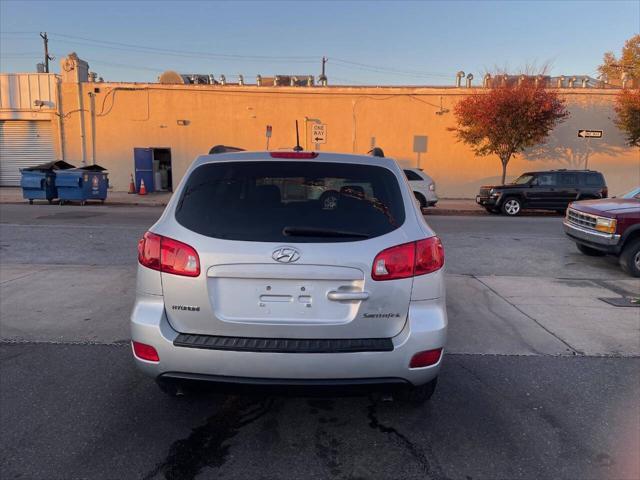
<point x="446" y="206"/>
<point x="160" y="199"/>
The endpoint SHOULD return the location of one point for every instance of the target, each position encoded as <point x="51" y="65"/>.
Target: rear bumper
<point x="239" y="385"/>
<point x="425" y="329"/>
<point x="605" y="242"/>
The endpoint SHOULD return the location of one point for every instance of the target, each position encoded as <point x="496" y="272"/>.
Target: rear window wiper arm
<point x="320" y="232"/>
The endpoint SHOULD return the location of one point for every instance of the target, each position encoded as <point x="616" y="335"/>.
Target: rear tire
<point x="419" y="395"/>
<point x="630" y="258"/>
<point x="591" y="252"/>
<point x="511" y="206"/>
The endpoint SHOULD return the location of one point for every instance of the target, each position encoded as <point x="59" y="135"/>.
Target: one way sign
<point x="590" y="133"/>
<point x="319" y="133"/>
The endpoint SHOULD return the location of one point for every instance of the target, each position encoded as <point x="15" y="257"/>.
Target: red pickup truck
<point x="609" y="226"/>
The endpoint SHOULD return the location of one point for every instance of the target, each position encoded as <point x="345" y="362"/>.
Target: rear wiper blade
<point x="320" y="232"/>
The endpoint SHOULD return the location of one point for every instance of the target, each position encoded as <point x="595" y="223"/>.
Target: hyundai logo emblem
<point x="286" y="255"/>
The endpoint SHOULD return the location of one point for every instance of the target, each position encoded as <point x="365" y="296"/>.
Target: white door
<point x="23" y="143"/>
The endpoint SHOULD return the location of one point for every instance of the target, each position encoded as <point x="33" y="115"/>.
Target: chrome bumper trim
<point x="593" y="236"/>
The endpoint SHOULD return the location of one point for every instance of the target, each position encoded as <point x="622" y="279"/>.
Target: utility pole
<point x="47" y="57"/>
<point x="323" y="77"/>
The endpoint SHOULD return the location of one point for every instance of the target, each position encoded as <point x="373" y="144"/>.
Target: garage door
<point x="23" y="143"/>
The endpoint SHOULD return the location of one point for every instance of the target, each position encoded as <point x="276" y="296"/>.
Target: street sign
<point x="420" y="144"/>
<point x="319" y="133"/>
<point x="269" y="130"/>
<point x="590" y="133"/>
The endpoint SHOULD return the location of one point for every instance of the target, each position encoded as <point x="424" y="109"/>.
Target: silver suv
<point x="291" y="268"/>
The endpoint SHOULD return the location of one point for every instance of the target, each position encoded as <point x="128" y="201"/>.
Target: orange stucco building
<point x="106" y="121"/>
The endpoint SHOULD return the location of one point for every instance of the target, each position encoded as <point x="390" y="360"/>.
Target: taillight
<point x="394" y="262"/>
<point x="429" y="256"/>
<point x="605" y="192"/>
<point x="168" y="255"/>
<point x="149" y="250"/>
<point x="145" y="352"/>
<point x="426" y="358"/>
<point x="408" y="260"/>
<point x="303" y="155"/>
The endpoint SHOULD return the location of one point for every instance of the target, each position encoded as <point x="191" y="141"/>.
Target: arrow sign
<point x="319" y="133"/>
<point x="590" y="133"/>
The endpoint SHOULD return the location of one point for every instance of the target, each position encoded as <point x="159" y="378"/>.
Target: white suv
<point x="423" y="186"/>
<point x="291" y="268"/>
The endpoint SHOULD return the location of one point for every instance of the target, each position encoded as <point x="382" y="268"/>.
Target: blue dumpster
<point x="38" y="182"/>
<point x="82" y="184"/>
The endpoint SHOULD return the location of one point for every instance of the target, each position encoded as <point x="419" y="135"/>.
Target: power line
<point x="378" y="69"/>
<point x="106" y="43"/>
<point x="182" y="55"/>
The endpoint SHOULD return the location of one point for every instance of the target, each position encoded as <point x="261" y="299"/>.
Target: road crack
<point x="574" y="350"/>
<point x="206" y="445"/>
<point x="415" y="451"/>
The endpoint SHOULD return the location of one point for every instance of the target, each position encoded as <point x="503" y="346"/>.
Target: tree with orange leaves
<point x="628" y="111"/>
<point x="508" y="119"/>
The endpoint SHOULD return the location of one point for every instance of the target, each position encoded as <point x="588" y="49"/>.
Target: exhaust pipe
<point x="561" y="81"/>
<point x="459" y="77"/>
<point x="486" y="81"/>
<point x="469" y="79"/>
<point x="572" y="82"/>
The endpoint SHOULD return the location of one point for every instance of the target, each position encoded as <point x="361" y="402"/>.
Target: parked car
<point x="548" y="190"/>
<point x="423" y="186"/>
<point x="251" y="278"/>
<point x="608" y="226"/>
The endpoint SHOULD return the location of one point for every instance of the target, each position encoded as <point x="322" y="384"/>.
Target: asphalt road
<point x="542" y="379"/>
<point x="483" y="245"/>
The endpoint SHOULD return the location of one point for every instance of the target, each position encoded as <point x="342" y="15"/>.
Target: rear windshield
<point x="292" y="201"/>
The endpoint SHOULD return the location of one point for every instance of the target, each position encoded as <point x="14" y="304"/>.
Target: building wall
<point x="146" y="115"/>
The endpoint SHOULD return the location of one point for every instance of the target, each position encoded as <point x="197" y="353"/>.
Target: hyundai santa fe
<point x="291" y="269"/>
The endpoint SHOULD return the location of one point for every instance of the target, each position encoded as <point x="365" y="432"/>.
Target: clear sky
<point x="367" y="42"/>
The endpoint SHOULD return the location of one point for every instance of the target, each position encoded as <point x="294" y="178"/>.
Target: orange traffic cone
<point x="143" y="189"/>
<point x="132" y="185"/>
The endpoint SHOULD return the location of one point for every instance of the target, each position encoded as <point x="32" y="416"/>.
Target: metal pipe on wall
<point x="92" y="110"/>
<point x="83" y="144"/>
<point x="59" y="115"/>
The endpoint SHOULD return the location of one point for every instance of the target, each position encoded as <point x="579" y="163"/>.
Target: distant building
<point x="164" y="126"/>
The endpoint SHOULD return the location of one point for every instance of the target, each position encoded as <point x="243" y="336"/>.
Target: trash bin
<point x="38" y="183"/>
<point x="82" y="184"/>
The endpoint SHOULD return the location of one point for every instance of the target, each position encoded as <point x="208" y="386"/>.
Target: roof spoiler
<point x="376" y="152"/>
<point x="224" y="149"/>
